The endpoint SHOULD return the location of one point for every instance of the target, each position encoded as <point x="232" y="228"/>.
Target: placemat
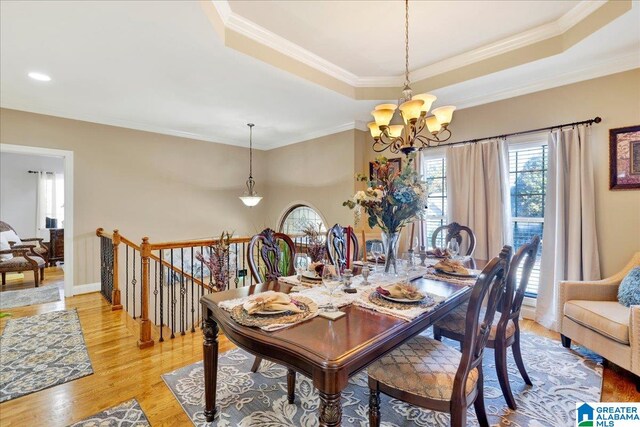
<point x="434" y="275"/>
<point x="407" y="312"/>
<point x="276" y="321"/>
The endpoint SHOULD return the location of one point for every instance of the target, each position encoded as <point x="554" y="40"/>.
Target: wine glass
<point x="454" y="248"/>
<point x="409" y="261"/>
<point x="301" y="263"/>
<point x="406" y="266"/>
<point x="331" y="281"/>
<point x="376" y="250"/>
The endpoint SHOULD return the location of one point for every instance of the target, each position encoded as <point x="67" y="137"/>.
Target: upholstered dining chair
<point x="428" y="373"/>
<point x="336" y="243"/>
<point x="267" y="247"/>
<point x="454" y="231"/>
<point x="505" y="330"/>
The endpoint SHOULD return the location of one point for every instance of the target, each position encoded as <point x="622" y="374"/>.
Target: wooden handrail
<point x="193" y="243"/>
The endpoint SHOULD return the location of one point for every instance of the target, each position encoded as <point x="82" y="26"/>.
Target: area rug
<point x="126" y="414"/>
<point x="41" y="351"/>
<point x="560" y="378"/>
<point x="32" y="296"/>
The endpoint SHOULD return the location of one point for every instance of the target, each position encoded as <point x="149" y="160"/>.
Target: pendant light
<point x="250" y="197"/>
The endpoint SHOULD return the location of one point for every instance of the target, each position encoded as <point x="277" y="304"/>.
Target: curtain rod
<point x="48" y="173"/>
<point x="584" y="122"/>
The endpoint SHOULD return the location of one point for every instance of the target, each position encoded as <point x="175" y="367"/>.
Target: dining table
<point x="328" y="352"/>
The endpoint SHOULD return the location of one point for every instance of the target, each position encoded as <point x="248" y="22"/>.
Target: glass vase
<point x="390" y="244"/>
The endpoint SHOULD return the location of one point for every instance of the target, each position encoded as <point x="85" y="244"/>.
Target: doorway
<point x="43" y="204"/>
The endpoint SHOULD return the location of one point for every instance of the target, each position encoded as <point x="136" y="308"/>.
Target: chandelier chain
<point x="250" y="149"/>
<point x="406" y="43"/>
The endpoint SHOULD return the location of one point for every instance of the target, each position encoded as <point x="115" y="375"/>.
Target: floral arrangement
<point x="218" y="261"/>
<point x="392" y="199"/>
<point x="316" y="248"/>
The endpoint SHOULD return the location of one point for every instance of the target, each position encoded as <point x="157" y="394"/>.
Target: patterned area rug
<point x="126" y="414"/>
<point x="22" y="298"/>
<point x="561" y="377"/>
<point x="41" y="351"/>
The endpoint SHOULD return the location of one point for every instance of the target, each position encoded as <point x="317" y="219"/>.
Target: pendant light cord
<point x="406" y="43"/>
<point x="251" y="125"/>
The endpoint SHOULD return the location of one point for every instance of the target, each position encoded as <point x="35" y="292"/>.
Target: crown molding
<point x="611" y="65"/>
<point x="255" y="32"/>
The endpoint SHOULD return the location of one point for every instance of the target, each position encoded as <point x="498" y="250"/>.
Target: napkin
<point x="401" y="290"/>
<point x="270" y="301"/>
<point x="451" y="266"/>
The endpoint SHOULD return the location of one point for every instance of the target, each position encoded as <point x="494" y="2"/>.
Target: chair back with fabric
<point x="482" y="308"/>
<point x="336" y="243"/>
<point x="266" y="252"/>
<point x="454" y="231"/>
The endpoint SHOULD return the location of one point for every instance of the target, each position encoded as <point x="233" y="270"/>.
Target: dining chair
<point x="336" y="243"/>
<point x="267" y="247"/>
<point x="429" y="374"/>
<point x="265" y="252"/>
<point x="454" y="231"/>
<point x="505" y="330"/>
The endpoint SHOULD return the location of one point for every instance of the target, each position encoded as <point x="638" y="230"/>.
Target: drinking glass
<point x="331" y="281"/>
<point x="454" y="247"/>
<point x="301" y="263"/>
<point x="365" y="275"/>
<point x="409" y="261"/>
<point x="376" y="250"/>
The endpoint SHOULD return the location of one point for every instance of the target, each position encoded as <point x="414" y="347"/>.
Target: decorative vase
<point x="390" y="244"/>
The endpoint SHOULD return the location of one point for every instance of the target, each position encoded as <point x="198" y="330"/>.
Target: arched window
<point x="300" y="216"/>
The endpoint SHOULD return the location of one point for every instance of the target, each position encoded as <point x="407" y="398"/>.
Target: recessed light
<point x="39" y="76"/>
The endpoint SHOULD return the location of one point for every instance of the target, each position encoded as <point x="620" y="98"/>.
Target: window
<point x="528" y="182"/>
<point x="434" y="171"/>
<point x="298" y="218"/>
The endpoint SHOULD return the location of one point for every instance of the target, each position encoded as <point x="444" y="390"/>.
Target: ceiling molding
<point x="471" y="64"/>
<point x="612" y="65"/>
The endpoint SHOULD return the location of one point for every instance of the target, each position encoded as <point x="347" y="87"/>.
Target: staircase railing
<point x="161" y="283"/>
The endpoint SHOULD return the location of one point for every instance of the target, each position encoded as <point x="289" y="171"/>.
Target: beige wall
<point x="318" y="172"/>
<point x="143" y="183"/>
<point x="615" y="98"/>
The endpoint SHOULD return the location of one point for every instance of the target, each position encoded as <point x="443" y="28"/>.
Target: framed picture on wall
<point x="624" y="158"/>
<point x="395" y="165"/>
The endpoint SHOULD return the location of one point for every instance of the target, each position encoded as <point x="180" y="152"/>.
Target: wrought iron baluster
<point x="133" y="283"/>
<point x="126" y="290"/>
<point x="200" y="291"/>
<point x="155" y="292"/>
<point x="193" y="309"/>
<point x="173" y="298"/>
<point x="161" y="297"/>
<point x="182" y="294"/>
<point x="236" y="279"/>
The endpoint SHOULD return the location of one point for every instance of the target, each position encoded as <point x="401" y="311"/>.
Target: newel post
<point x="115" y="295"/>
<point x="145" y="325"/>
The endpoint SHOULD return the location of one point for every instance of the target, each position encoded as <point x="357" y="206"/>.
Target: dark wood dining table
<point x="327" y="351"/>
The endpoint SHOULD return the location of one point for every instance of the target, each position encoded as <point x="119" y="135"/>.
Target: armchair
<point x="33" y="245"/>
<point x="589" y="312"/>
<point x="22" y="260"/>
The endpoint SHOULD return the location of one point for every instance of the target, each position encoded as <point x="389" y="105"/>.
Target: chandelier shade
<point x="406" y="126"/>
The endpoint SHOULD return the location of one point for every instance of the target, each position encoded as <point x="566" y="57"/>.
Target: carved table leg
<point x="330" y="410"/>
<point x="210" y="350"/>
<point x="291" y="385"/>
<point x="374" y="407"/>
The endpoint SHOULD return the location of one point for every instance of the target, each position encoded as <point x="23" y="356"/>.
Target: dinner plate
<point x="466" y="276"/>
<point x="270" y="313"/>
<point x="310" y="275"/>
<point x="404" y="300"/>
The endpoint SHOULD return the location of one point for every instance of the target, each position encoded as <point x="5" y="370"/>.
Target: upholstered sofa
<point x="589" y="312"/>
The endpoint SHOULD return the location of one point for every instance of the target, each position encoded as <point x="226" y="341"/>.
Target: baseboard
<point x="86" y="289"/>
<point x="528" y="312"/>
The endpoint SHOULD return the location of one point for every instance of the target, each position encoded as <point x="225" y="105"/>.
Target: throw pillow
<point x="11" y="236"/>
<point x="629" y="289"/>
<point x="4" y="244"/>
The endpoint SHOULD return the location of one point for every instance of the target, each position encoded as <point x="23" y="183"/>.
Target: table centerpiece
<point x="392" y="200"/>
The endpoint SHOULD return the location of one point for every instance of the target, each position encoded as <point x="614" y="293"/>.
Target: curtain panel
<point x="569" y="241"/>
<point x="478" y="194"/>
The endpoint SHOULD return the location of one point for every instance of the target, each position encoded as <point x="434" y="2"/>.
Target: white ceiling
<point x="366" y="38"/>
<point x="161" y="66"/>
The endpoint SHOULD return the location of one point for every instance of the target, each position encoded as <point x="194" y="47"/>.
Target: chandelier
<point x="399" y="128"/>
<point x="250" y="197"/>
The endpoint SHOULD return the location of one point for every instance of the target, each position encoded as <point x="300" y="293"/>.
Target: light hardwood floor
<point x="122" y="371"/>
